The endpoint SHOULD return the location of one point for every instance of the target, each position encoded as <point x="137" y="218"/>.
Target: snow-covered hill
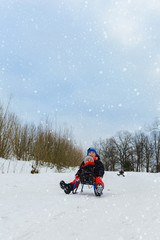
<point x="33" y="207"/>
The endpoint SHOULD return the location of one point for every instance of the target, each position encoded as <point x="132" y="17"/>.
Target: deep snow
<point x="33" y="207"/>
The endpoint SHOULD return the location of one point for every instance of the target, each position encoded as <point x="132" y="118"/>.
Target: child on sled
<point x="91" y="165"/>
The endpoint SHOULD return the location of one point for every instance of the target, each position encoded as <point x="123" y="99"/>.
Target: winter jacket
<point x="96" y="167"/>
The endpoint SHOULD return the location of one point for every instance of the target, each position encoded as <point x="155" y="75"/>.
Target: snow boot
<point x="66" y="187"/>
<point x="99" y="189"/>
<point x="62" y="184"/>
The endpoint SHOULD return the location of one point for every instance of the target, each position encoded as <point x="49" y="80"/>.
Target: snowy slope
<point x="33" y="207"/>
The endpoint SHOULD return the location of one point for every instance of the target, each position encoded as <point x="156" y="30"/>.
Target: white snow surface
<point x="34" y="207"/>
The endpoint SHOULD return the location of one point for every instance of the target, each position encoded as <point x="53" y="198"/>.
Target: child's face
<point x="92" y="154"/>
<point x="88" y="160"/>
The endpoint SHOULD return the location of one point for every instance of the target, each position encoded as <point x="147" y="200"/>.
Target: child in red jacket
<point x="91" y="164"/>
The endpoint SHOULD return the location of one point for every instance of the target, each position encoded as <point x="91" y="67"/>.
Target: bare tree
<point x="107" y="150"/>
<point x="156" y="148"/>
<point x="148" y="154"/>
<point x="123" y="143"/>
<point x="22" y="145"/>
<point x="155" y="136"/>
<point x="138" y="144"/>
<point x="6" y="129"/>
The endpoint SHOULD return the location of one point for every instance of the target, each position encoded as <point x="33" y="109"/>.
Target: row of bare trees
<point x="39" y="143"/>
<point x="138" y="151"/>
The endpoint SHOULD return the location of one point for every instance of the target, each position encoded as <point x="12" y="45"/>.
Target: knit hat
<point x="88" y="158"/>
<point x="91" y="150"/>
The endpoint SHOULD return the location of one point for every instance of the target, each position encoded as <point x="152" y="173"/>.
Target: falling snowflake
<point x="124" y="69"/>
<point x="100" y="72"/>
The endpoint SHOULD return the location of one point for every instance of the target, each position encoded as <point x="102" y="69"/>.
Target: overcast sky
<point x="93" y="66"/>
